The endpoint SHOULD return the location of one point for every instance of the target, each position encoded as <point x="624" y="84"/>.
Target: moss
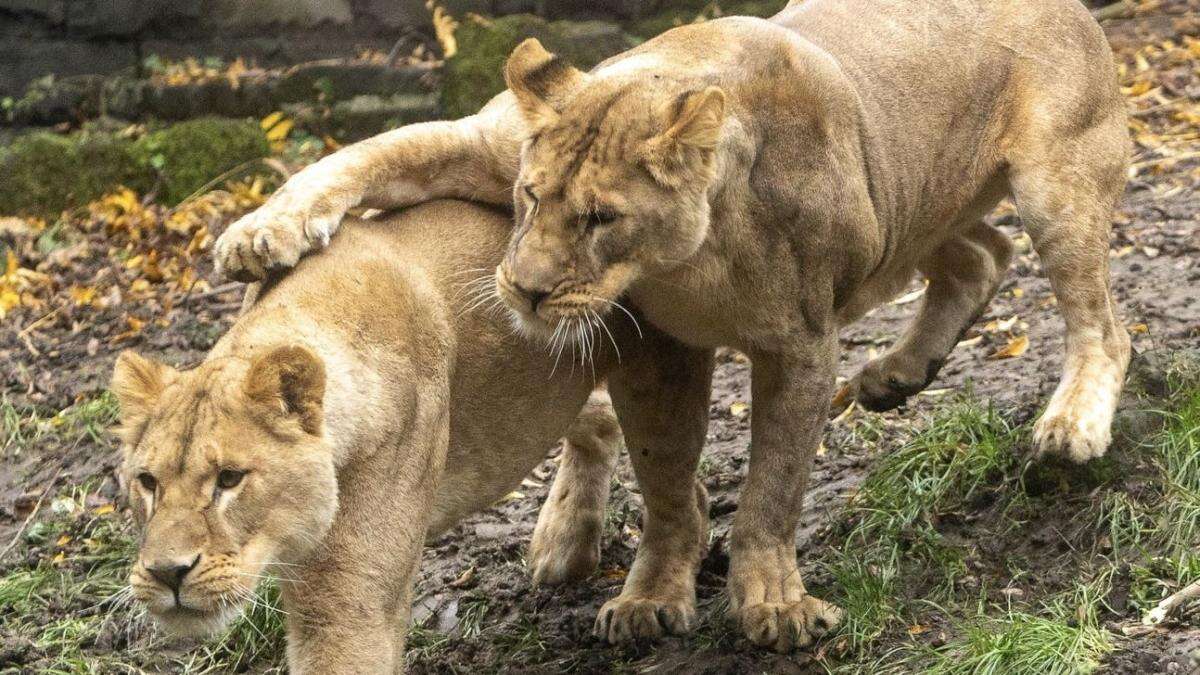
<point x="190" y="154"/>
<point x="476" y="73"/>
<point x="46" y="173"/>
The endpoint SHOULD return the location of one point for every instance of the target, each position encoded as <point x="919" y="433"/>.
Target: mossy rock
<point x="476" y="73"/>
<point x="690" y="10"/>
<point x="190" y="154"/>
<point x="45" y="173"/>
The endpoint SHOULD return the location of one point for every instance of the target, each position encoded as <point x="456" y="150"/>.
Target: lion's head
<point x="612" y="187"/>
<point x="227" y="474"/>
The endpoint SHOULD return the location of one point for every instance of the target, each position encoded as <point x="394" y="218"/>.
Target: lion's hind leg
<point x="1065" y="192"/>
<point x="964" y="273"/>
<point x="566" y="541"/>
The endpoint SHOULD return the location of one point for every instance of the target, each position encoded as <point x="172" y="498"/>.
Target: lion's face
<point x="612" y="188"/>
<point x="227" y="475"/>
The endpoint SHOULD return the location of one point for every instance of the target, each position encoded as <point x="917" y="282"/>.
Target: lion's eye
<point x="147" y="481"/>
<point x="229" y="478"/>
<point x="601" y="217"/>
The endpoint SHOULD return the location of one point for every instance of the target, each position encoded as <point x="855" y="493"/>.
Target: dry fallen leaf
<point x="1015" y="347"/>
<point x="464" y="579"/>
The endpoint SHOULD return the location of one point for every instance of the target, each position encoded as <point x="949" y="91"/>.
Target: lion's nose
<point x="533" y="296"/>
<point x="170" y="572"/>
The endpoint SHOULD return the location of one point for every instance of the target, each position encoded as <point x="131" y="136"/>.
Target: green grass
<point x="966" y="449"/>
<point x="25" y="427"/>
<point x="895" y="567"/>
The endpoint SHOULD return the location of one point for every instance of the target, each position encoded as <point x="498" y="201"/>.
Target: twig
<point x="45" y="317"/>
<point x="29" y="518"/>
<point x="1153" y="109"/>
<point x="1114" y="11"/>
<point x="223" y="288"/>
<point x="1171" y="603"/>
<point x="1164" y="160"/>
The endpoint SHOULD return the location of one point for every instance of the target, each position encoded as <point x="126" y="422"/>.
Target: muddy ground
<point x="475" y="605"/>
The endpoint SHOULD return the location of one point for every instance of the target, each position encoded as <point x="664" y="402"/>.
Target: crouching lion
<point x="366" y="400"/>
<point x="759" y="184"/>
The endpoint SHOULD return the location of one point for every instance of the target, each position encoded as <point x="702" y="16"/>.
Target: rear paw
<point x="565" y="545"/>
<point x="784" y="626"/>
<point x="883" y="385"/>
<point x="623" y="619"/>
<point x="1080" y="436"/>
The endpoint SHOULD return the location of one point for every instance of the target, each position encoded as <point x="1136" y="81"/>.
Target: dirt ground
<point x="475" y="605"/>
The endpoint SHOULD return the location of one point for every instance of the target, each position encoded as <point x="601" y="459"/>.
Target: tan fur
<point x="372" y="397"/>
<point x="760" y="184"/>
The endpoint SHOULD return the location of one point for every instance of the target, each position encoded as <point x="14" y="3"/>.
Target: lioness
<point x="363" y="402"/>
<point x="760" y="183"/>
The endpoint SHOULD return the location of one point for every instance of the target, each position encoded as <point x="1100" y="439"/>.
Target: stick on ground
<point x="1171" y="603"/>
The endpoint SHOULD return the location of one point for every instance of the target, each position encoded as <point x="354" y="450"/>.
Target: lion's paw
<point x="275" y="236"/>
<point x="887" y="382"/>
<point x="1080" y="437"/>
<point x="1077" y="425"/>
<point x="623" y="619"/>
<point x="565" y="545"/>
<point x="784" y="626"/>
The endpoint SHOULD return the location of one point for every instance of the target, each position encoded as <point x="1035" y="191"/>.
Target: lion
<point x="759" y="184"/>
<point x="363" y="403"/>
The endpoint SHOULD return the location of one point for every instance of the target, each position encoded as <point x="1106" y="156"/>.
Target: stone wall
<point x="77" y="37"/>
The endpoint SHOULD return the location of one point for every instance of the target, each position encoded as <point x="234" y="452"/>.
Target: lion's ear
<point x="289" y="382"/>
<point x="694" y="124"/>
<point x="137" y="382"/>
<point x="541" y="81"/>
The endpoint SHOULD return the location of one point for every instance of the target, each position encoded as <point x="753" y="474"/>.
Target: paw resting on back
<point x="273" y="237"/>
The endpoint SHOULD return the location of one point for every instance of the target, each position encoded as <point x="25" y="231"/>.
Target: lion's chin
<point x="531" y="326"/>
<point x="186" y="622"/>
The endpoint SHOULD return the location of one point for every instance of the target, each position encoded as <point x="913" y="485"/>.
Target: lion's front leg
<point x="472" y="158"/>
<point x="348" y="605"/>
<point x="791" y="394"/>
<point x="662" y="402"/>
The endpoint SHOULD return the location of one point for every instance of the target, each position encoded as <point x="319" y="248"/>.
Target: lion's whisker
<point x="627" y="313"/>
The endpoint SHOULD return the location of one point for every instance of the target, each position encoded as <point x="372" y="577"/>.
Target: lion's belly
<point x="507" y="413"/>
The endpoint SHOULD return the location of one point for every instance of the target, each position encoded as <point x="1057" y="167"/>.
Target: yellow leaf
<point x="511" y="496"/>
<point x="9" y="300"/>
<point x="59" y="558"/>
<point x="1015" y="347"/>
<point x="83" y="295"/>
<point x="280" y="131"/>
<point x="444" y="26"/>
<point x="63" y="540"/>
<point x="917" y="629"/>
<point x="1139" y="328"/>
<point x="104" y="509"/>
<point x="739" y="408"/>
<point x="10" y="265"/>
<point x="1018" y="292"/>
<point x="998" y="326"/>
<point x="271" y="120"/>
<point x="1137" y="88"/>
